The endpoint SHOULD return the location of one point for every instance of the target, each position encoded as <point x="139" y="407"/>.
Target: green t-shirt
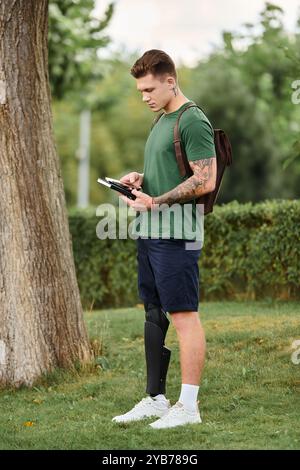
<point x="161" y="173"/>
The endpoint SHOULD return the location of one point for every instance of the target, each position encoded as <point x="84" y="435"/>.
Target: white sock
<point x="188" y="396"/>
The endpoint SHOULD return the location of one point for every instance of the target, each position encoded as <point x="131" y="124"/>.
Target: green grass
<point x="250" y="393"/>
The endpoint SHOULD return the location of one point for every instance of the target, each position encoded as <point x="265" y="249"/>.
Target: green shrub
<point x="106" y="269"/>
<point x="250" y="251"/>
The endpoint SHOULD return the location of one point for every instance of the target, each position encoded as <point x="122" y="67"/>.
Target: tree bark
<point x="41" y="318"/>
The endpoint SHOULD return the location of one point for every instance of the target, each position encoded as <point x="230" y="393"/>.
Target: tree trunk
<point x="41" y="318"/>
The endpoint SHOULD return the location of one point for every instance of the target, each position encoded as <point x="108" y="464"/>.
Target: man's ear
<point x="171" y="82"/>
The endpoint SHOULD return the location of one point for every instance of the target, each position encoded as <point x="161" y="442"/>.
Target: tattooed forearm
<point x="201" y="182"/>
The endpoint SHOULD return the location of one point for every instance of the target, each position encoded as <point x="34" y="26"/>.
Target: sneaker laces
<point x="175" y="410"/>
<point x="144" y="401"/>
<point x="142" y="404"/>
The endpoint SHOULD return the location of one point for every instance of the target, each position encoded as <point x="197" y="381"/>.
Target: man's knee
<point x="184" y="320"/>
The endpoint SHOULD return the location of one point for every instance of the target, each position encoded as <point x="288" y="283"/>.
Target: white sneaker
<point x="146" y="408"/>
<point x="177" y="416"/>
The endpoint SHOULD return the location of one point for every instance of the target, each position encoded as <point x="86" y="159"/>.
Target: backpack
<point x="223" y="156"/>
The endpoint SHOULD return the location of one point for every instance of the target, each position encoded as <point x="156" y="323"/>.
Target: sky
<point x="188" y="30"/>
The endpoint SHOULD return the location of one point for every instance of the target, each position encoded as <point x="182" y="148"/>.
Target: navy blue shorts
<point x="168" y="274"/>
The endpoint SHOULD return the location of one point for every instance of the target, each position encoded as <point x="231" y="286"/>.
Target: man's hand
<point x="142" y="203"/>
<point x="133" y="179"/>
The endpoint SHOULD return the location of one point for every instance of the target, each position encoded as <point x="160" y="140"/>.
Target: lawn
<point x="249" y="395"/>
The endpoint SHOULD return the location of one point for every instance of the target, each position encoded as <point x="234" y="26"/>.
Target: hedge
<point x="251" y="251"/>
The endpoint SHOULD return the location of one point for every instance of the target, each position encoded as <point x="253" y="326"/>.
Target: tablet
<point x="116" y="185"/>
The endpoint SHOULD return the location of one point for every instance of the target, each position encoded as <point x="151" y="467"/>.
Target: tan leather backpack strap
<point x="182" y="161"/>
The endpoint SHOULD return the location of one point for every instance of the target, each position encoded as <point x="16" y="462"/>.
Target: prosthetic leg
<point x="157" y="355"/>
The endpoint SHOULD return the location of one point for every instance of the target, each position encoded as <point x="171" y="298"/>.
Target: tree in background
<point x="75" y="39"/>
<point x="75" y="36"/>
<point x="246" y="89"/>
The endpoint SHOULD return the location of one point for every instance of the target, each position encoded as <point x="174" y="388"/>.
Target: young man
<point x="168" y="275"/>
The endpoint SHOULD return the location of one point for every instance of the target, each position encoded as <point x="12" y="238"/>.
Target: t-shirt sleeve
<point x="198" y="140"/>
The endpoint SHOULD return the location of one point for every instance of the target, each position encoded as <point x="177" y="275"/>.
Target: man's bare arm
<point x="201" y="182"/>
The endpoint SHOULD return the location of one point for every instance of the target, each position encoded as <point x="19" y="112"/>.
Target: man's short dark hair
<point x="156" y="62"/>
